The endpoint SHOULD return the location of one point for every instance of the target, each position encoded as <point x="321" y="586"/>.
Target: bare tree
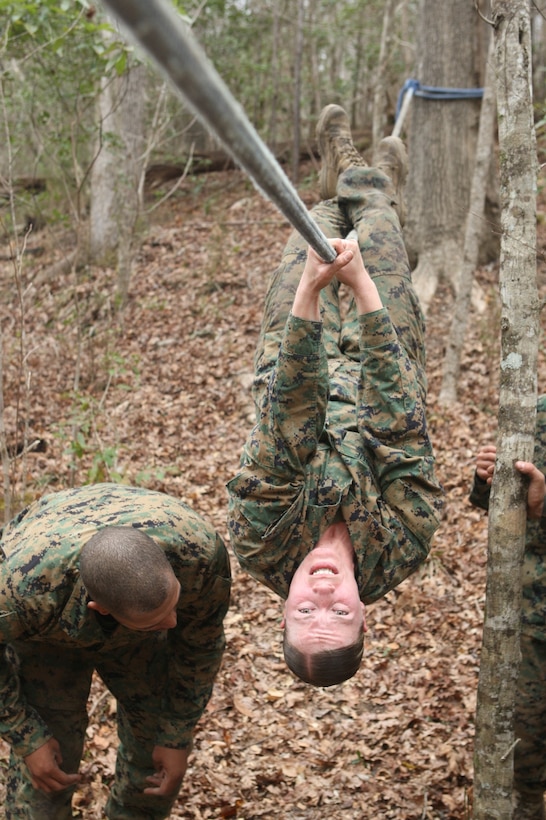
<point x="452" y="360"/>
<point x="442" y="143"/>
<point x="538" y="30"/>
<point x="275" y="38"/>
<point x="379" y="113"/>
<point x="298" y="59"/>
<point x="117" y="174"/>
<point x="494" y="744"/>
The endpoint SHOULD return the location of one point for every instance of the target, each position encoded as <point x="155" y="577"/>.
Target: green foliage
<point x="55" y="54"/>
<point x="54" y="58"/>
<point x="153" y="474"/>
<point x="83" y="443"/>
<point x="89" y="435"/>
<point x="92" y="460"/>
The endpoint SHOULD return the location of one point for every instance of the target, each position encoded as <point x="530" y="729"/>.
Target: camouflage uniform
<point x="53" y="642"/>
<point x="341" y="431"/>
<point x="530" y="714"/>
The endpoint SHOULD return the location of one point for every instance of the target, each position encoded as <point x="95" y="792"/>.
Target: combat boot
<point x="528" y="806"/>
<point x="391" y="158"/>
<point x="336" y="148"/>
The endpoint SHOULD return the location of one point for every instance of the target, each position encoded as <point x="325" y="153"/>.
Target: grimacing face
<point x="323" y="609"/>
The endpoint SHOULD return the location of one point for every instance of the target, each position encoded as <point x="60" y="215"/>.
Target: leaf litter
<point x="161" y="396"/>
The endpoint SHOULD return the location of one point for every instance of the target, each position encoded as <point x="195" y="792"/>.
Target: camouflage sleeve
<point x="294" y="410"/>
<point x="539" y="457"/>
<point x="20" y="725"/>
<point x="286" y="436"/>
<point x="196" y="646"/>
<point x="480" y="492"/>
<point x="393" y="428"/>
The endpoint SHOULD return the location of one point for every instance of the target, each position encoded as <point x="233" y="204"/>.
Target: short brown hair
<point x="324" y="668"/>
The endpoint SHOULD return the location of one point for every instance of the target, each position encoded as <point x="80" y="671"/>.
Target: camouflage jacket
<point x="534" y="562"/>
<point x="42" y="599"/>
<point x="337" y="438"/>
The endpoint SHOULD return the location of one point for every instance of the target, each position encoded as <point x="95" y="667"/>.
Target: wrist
<point x="368" y="301"/>
<point x="307" y="305"/>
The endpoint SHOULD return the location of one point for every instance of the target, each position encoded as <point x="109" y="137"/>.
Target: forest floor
<point x="159" y="396"/>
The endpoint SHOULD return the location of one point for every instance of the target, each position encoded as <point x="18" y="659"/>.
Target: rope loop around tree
<point x="430" y="92"/>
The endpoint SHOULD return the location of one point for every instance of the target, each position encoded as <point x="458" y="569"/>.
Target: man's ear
<point x="98" y="608"/>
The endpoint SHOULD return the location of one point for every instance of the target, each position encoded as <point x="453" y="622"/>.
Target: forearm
<point x="194" y="653"/>
<point x="293" y="411"/>
<point x="393" y="428"/>
<point x="189" y="690"/>
<point x="366" y="296"/>
<point x="391" y="411"/>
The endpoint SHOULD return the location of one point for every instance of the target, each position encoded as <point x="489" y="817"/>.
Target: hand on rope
<point x="348" y="268"/>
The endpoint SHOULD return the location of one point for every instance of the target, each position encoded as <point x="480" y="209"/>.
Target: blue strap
<point x="429" y="92"/>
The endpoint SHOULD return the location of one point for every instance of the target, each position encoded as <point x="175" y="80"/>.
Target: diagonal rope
<point x="158" y="28"/>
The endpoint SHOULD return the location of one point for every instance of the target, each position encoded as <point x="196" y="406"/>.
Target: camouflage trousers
<point x="56" y="683"/>
<point x="362" y="204"/>
<point x="530" y="727"/>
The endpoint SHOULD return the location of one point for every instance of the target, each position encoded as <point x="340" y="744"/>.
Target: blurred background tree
<point x="76" y="100"/>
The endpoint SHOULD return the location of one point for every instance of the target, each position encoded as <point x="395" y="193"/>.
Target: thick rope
<point x="169" y="41"/>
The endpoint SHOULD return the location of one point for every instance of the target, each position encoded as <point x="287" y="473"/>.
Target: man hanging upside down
<point x="336" y="501"/>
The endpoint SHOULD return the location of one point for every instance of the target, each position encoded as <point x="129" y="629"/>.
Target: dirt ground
<point x="159" y="397"/>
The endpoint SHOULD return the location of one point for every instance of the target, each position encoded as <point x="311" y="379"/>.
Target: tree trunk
<point x="315" y="91"/>
<point x="443" y="143"/>
<point x="493" y="758"/>
<point x="379" y="98"/>
<point x="359" y="67"/>
<point x="275" y="68"/>
<point x="117" y="174"/>
<point x="538" y="29"/>
<point x="484" y="150"/>
<point x="407" y="51"/>
<point x="298" y="58"/>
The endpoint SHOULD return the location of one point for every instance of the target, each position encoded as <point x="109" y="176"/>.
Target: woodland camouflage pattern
<point x="341" y="430"/>
<point x="52" y="641"/>
<point x="530" y="752"/>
